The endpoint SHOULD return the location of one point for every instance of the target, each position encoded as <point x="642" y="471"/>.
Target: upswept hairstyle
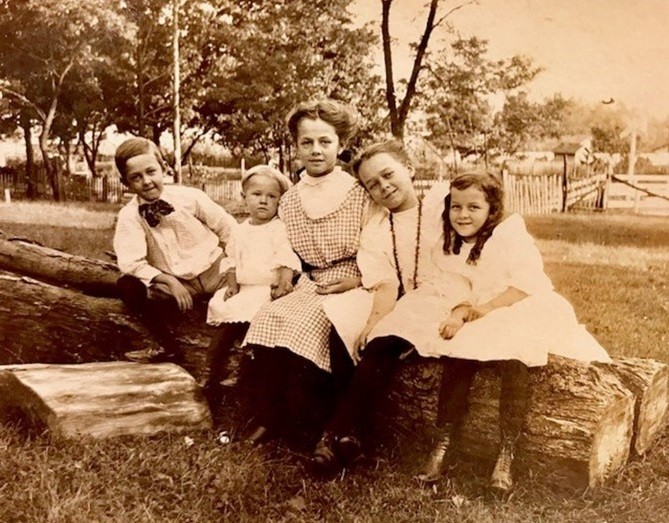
<point x="134" y="147"/>
<point x="494" y="194"/>
<point x="394" y="148"/>
<point x="338" y="115"/>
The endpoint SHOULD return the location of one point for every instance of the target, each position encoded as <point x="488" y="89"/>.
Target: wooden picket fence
<point x="546" y="193"/>
<point x="542" y="193"/>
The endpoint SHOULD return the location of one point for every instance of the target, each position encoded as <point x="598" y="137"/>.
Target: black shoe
<point x="258" y="436"/>
<point x="348" y="449"/>
<point x="324" y="460"/>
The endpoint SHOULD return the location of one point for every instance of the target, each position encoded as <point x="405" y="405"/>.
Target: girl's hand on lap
<point x="477" y="312"/>
<point x="450" y="326"/>
<point x="339" y="285"/>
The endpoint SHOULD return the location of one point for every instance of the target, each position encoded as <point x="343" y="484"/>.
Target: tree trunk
<point x="41" y="323"/>
<point x="93" y="277"/>
<point x="648" y="381"/>
<point x="581" y="423"/>
<point x="47" y="324"/>
<point x="104" y="399"/>
<point x="581" y="418"/>
<point x="26" y="125"/>
<point x="50" y="166"/>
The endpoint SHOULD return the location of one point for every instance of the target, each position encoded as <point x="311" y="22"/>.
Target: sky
<point x="590" y="50"/>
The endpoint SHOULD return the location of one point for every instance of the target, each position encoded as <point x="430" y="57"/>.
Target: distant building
<point x="576" y="149"/>
<point x="659" y="156"/>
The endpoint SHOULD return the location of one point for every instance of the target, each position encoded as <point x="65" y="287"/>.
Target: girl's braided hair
<point x="493" y="191"/>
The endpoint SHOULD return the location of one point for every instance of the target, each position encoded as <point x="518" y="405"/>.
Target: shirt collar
<point x="318" y="180"/>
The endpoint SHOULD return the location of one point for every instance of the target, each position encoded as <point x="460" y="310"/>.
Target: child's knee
<point x="132" y="291"/>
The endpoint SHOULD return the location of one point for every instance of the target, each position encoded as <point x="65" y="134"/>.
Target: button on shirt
<point x="184" y="244"/>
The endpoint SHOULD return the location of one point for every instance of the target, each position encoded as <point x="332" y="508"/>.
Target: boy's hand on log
<point x="339" y="285"/>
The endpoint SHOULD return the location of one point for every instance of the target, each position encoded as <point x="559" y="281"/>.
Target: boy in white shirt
<point x="167" y="244"/>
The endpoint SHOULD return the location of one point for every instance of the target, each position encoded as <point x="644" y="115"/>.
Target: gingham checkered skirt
<point x="329" y="244"/>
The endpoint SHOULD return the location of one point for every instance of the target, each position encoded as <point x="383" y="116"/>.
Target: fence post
<point x="605" y="189"/>
<point x="105" y="188"/>
<point x="565" y="182"/>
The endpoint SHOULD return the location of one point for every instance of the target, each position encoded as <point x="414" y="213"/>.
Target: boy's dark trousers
<point x="456" y="381"/>
<point x="158" y="312"/>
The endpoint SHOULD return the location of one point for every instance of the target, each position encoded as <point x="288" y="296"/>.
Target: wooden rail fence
<point x="541" y="193"/>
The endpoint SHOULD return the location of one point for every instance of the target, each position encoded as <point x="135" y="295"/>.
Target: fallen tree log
<point x="648" y="380"/>
<point x="104" y="399"/>
<point x="581" y="422"/>
<point x="581" y="419"/>
<point x="42" y="323"/>
<point x="94" y="277"/>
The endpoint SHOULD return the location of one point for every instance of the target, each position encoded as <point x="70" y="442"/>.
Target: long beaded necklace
<point x="401" y="290"/>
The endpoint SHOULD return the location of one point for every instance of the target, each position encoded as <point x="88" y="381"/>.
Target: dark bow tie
<point x="152" y="212"/>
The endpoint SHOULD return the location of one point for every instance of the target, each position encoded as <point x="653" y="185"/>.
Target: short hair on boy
<point x="266" y="170"/>
<point x="394" y="148"/>
<point x="338" y="115"/>
<point x="134" y="147"/>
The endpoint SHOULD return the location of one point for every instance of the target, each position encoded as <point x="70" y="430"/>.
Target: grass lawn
<point x="614" y="270"/>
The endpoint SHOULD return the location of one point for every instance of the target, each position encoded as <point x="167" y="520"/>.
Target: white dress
<point x="257" y="251"/>
<point x="543" y="322"/>
<point x="442" y="280"/>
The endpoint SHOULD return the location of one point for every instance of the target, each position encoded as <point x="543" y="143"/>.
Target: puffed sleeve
<point x="524" y="265"/>
<point x="374" y="256"/>
<point x="284" y="256"/>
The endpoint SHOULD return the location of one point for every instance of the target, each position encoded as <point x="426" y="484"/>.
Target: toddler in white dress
<point x="263" y="266"/>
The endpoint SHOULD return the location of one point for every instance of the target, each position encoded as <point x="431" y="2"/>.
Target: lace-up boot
<point x="440" y="458"/>
<point x="501" y="481"/>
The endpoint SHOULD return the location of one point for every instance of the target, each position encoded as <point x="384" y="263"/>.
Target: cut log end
<point x="648" y="380"/>
<point x="105" y="399"/>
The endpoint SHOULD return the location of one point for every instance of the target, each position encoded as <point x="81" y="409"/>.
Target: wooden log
<point x="578" y="428"/>
<point x="649" y="382"/>
<point x="93" y="277"/>
<point x="41" y="323"/>
<point x="104" y="399"/>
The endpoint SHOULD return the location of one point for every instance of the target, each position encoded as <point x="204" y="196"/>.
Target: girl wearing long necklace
<point x="400" y="256"/>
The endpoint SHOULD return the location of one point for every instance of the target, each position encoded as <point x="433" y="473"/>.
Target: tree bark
<point x="104" y="399"/>
<point x="31" y="183"/>
<point x="96" y="278"/>
<point x="41" y="323"/>
<point x="581" y="420"/>
<point x="648" y="381"/>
